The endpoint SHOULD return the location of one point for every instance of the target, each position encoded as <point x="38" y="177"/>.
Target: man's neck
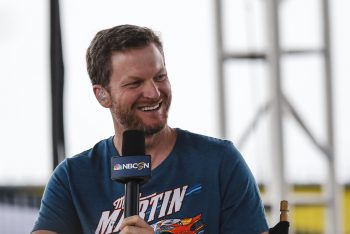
<point x="158" y="145"/>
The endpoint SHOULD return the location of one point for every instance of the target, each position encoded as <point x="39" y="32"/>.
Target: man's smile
<point x="154" y="107"/>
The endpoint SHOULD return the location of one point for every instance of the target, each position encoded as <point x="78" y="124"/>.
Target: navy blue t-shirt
<point x="203" y="186"/>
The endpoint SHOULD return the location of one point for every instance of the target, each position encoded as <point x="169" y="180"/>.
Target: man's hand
<point x="134" y="224"/>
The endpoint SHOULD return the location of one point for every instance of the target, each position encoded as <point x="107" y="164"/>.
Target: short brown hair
<point x="119" y="38"/>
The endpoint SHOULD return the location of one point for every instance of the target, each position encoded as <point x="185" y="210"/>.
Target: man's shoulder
<point x="203" y="140"/>
<point x="206" y="145"/>
<point x="209" y="150"/>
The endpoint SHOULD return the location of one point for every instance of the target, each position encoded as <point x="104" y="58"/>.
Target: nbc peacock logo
<point x="117" y="167"/>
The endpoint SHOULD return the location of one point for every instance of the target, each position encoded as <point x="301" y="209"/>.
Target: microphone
<point x="133" y="169"/>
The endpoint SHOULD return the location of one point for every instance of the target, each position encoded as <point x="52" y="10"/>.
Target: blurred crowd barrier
<point x="19" y="208"/>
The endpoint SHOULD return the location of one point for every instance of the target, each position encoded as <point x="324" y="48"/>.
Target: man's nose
<point x="151" y="90"/>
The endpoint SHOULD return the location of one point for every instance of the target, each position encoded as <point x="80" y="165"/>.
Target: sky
<point x="188" y="33"/>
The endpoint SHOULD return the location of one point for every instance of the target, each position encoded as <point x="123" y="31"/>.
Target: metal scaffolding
<point x="279" y="189"/>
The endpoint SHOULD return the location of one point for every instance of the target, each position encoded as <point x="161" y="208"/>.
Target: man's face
<point x="140" y="90"/>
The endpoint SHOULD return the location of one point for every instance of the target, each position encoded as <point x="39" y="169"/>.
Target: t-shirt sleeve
<point x="57" y="212"/>
<point x="241" y="203"/>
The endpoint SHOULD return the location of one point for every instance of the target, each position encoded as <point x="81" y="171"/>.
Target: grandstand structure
<point x="278" y="106"/>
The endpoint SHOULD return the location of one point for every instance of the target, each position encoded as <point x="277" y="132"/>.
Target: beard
<point x="129" y="120"/>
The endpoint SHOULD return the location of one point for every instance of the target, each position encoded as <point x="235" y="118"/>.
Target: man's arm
<point x="242" y="210"/>
<point x="57" y="212"/>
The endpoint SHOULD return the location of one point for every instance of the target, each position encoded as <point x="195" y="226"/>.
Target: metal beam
<point x="221" y="102"/>
<point x="333" y="213"/>
<point x="57" y="83"/>
<point x="277" y="187"/>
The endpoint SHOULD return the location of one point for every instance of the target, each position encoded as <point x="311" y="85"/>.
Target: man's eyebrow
<point x="134" y="77"/>
<point x="162" y="70"/>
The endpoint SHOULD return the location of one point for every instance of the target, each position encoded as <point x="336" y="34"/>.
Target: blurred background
<point x="270" y="75"/>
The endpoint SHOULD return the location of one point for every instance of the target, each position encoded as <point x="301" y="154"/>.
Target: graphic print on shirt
<point x="184" y="226"/>
<point x="152" y="208"/>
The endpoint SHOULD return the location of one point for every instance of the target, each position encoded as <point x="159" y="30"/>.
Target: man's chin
<point x="149" y="131"/>
<point x="148" y="127"/>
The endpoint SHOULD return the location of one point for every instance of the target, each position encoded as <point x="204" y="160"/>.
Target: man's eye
<point x="161" y="77"/>
<point x="133" y="84"/>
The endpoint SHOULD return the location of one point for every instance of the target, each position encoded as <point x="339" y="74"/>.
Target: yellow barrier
<point x="309" y="219"/>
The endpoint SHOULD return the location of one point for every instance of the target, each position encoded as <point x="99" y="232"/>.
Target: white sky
<point x="187" y="30"/>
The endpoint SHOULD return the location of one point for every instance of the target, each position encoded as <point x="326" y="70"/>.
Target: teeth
<point x="150" y="108"/>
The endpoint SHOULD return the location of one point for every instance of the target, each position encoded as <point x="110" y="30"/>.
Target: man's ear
<point x="102" y="96"/>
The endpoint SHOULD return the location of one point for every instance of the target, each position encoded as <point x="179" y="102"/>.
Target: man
<point x="199" y="184"/>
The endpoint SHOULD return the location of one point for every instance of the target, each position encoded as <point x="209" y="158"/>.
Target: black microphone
<point x="133" y="169"/>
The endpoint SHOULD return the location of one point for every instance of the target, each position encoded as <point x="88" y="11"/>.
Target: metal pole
<point x="277" y="186"/>
<point x="220" y="69"/>
<point x="333" y="214"/>
<point x="57" y="83"/>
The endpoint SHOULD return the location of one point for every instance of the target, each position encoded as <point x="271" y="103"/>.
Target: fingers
<point x="134" y="224"/>
<point x="134" y="221"/>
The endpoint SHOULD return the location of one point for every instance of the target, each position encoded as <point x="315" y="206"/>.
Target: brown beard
<point x="129" y="120"/>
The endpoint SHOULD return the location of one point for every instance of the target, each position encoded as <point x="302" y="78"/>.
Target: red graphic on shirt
<point x="184" y="226"/>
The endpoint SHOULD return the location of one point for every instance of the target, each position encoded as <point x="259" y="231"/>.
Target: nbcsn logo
<point x="127" y="166"/>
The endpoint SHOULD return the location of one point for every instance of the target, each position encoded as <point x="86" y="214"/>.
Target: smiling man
<point x="199" y="184"/>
